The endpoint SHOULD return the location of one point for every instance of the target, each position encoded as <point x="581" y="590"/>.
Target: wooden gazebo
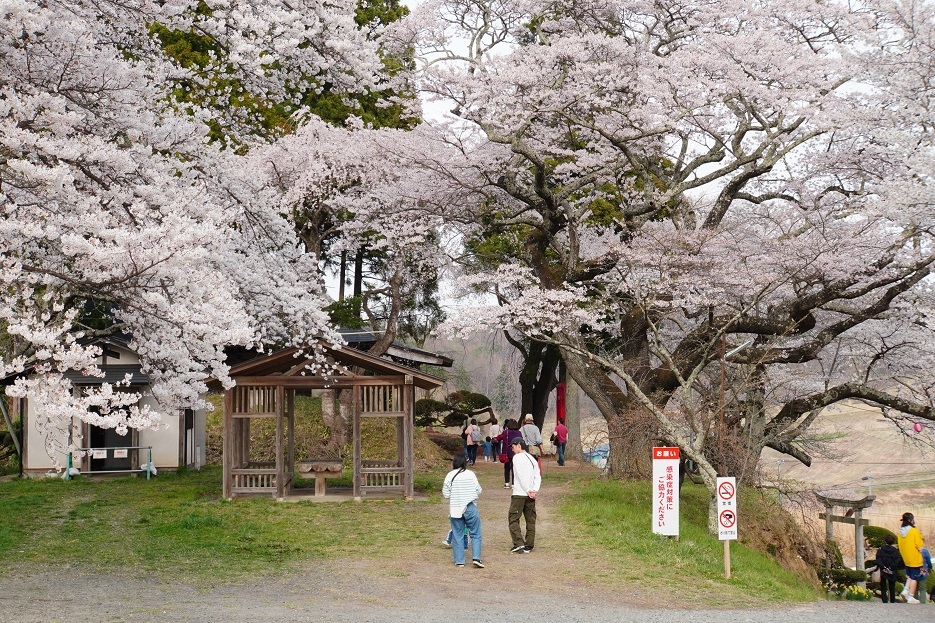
<point x="265" y="388"/>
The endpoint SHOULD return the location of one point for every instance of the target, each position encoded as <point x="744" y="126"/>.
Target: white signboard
<point x="98" y="454"/>
<point x="120" y="453"/>
<point x="727" y="509"/>
<point x="666" y="491"/>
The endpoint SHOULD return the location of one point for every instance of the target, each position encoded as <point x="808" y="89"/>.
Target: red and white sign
<point x="666" y="491"/>
<point x="727" y="509"/>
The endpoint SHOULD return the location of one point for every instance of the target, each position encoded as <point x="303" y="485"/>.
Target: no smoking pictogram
<point x="727" y="519"/>
<point x="725" y="490"/>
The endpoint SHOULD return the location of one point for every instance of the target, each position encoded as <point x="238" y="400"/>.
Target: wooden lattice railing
<point x="381" y="399"/>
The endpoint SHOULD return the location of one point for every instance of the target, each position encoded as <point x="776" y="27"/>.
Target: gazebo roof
<point x="289" y="366"/>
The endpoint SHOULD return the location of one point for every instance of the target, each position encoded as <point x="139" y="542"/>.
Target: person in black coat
<point x="888" y="563"/>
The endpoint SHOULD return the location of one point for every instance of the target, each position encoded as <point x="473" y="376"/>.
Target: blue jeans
<point x="448" y="539"/>
<point x="561" y="453"/>
<point x="471" y="519"/>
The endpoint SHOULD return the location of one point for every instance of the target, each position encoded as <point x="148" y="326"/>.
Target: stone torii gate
<point x="857" y="520"/>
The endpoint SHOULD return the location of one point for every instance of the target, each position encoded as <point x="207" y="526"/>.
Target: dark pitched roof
<point x="289" y="362"/>
<point x="406" y="354"/>
<point x="112" y="374"/>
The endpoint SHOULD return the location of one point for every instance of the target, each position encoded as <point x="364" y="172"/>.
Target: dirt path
<point x="551" y="582"/>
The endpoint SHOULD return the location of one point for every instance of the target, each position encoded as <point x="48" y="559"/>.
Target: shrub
<point x="429" y="412"/>
<point x="875" y="535"/>
<point x="837" y="580"/>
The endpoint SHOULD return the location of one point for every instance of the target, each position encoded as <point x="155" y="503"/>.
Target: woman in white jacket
<point x="462" y="490"/>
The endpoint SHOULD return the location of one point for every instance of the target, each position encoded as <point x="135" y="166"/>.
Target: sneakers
<point x="519" y="549"/>
<point x="903" y="594"/>
<point x="447" y="544"/>
<point x="478" y="563"/>
<point x="911" y="600"/>
<point x="459" y="564"/>
<point x="506" y="485"/>
<point x="528" y="549"/>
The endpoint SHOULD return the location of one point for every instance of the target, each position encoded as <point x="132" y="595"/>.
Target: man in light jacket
<point x="532" y="436"/>
<point x="526" y="482"/>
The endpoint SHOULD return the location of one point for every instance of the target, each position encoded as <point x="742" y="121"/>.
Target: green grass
<point x="615" y="516"/>
<point x="179" y="525"/>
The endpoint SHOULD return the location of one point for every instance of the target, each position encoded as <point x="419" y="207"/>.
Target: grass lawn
<point x="180" y="525"/>
<point x="614" y="518"/>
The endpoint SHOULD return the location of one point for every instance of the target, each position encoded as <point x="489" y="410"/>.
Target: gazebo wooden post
<point x="829" y="535"/>
<point x="290" y="463"/>
<point x="406" y="449"/>
<point x="280" y="430"/>
<point x="356" y="392"/>
<point x="228" y="446"/>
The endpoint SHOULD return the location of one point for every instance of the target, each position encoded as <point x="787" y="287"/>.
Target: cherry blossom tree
<point x="332" y="181"/>
<point x="113" y="197"/>
<point x="675" y="186"/>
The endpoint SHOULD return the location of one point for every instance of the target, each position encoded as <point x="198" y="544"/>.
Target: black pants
<point x="888" y="583"/>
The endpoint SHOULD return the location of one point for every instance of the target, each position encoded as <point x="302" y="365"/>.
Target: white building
<point x="178" y="442"/>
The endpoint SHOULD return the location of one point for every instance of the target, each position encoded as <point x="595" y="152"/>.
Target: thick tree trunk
<point x="629" y="430"/>
<point x="537" y="380"/>
<point x="342" y="275"/>
<point x="573" y="419"/>
<point x="392" y="322"/>
<point x="359" y="273"/>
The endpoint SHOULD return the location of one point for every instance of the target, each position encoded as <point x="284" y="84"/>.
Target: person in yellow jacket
<point x="910" y="548"/>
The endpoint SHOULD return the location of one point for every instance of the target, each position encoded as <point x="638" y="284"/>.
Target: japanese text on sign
<point x="666" y="491"/>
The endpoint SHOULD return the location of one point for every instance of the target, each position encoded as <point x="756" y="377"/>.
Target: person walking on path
<point x="532" y="436"/>
<point x="462" y="490"/>
<point x="888" y="563"/>
<point x="474" y="437"/>
<point x="510" y="433"/>
<point x="526" y="482"/>
<point x="561" y="438"/>
<point x="910" y="548"/>
<point x="495" y="430"/>
<point x="927" y="569"/>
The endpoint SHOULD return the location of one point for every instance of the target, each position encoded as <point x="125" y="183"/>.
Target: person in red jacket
<point x="561" y="438"/>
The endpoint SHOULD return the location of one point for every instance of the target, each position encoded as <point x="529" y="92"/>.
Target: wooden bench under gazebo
<point x="266" y="387"/>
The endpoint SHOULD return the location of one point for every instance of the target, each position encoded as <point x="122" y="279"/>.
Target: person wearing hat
<point x="526" y="482"/>
<point x="532" y="436"/>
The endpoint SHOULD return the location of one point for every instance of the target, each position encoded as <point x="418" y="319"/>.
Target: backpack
<point x="477" y="435"/>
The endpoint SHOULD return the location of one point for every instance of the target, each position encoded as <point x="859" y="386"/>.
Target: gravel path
<point x="349" y="594"/>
